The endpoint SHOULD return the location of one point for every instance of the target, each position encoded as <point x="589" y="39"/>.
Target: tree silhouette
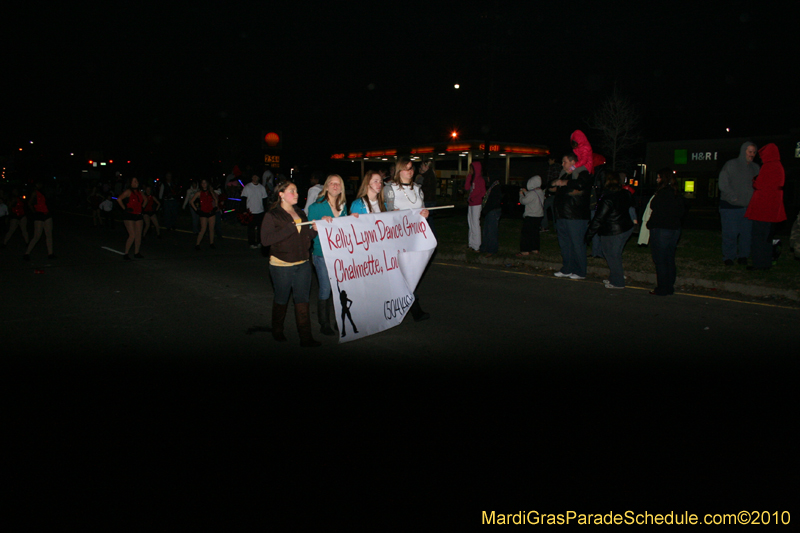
<point x="618" y="122"/>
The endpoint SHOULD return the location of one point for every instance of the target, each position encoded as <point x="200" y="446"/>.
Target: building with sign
<point x="453" y="158"/>
<point x="697" y="164"/>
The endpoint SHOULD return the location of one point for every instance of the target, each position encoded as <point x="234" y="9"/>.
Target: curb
<point x="757" y="291"/>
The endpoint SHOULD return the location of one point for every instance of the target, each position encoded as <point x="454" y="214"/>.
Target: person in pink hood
<point x="766" y="206"/>
<point x="476" y="185"/>
<point x="582" y="149"/>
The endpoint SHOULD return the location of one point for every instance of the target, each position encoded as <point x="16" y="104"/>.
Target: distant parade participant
<point x="476" y="185"/>
<point x="132" y="202"/>
<point x="289" y="264"/>
<point x="151" y="207"/>
<point x="255" y="194"/>
<point x="18" y="217"/>
<point x="94" y="199"/>
<point x="168" y="194"/>
<point x="193" y="188"/>
<point x="402" y="194"/>
<point x="42" y="221"/>
<point x="204" y="203"/>
<point x="331" y="203"/>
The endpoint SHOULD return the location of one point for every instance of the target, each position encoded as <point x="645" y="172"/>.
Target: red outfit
<point x="583" y="151"/>
<point x="19" y="208"/>
<point x="135" y="201"/>
<point x="151" y="205"/>
<point x="766" y="205"/>
<point x="206" y="202"/>
<point x="40" y="206"/>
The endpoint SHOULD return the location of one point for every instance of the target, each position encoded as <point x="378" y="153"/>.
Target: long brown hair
<point x="401" y="164"/>
<point x="276" y="197"/>
<point x="363" y="191"/>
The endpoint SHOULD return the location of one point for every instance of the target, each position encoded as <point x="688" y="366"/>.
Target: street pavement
<point x="144" y="388"/>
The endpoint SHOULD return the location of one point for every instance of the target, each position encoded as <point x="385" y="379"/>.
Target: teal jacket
<point x="321" y="208"/>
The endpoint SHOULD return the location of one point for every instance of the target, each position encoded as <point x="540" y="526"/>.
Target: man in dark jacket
<point x="572" y="191"/>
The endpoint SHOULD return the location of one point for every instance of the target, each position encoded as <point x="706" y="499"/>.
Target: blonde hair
<point x="363" y="191"/>
<point x="324" y="194"/>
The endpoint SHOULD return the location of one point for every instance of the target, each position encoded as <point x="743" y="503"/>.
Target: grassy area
<point x="699" y="253"/>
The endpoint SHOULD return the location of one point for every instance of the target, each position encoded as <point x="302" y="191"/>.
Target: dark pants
<point x="252" y="228"/>
<point x="761" y="246"/>
<point x="291" y="279"/>
<point x="663" y="243"/>
<point x="491" y="232"/>
<point x="170" y="213"/>
<point x="573" y="249"/>
<point x="612" y="246"/>
<point x="549" y="205"/>
<point x="529" y="240"/>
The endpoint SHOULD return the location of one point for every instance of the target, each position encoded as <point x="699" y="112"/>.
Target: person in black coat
<point x="612" y="221"/>
<point x="667" y="207"/>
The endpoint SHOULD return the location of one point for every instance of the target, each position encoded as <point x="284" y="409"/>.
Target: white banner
<point x="374" y="263"/>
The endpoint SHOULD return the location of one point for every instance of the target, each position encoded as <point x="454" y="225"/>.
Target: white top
<point x="255" y="194"/>
<point x="3" y="210"/>
<point x="399" y="198"/>
<point x="313" y="194"/>
<point x="106" y="206"/>
<point x="189" y="195"/>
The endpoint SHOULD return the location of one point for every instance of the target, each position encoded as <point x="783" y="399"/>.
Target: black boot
<point x="278" y="317"/>
<point x="323" y="314"/>
<point x="417" y="312"/>
<point x="304" y="325"/>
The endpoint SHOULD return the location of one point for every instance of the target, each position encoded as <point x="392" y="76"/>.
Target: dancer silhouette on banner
<point x="346" y="303"/>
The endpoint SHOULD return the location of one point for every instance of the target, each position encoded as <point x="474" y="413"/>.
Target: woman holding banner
<point x="330" y="204"/>
<point x="289" y="266"/>
<point x="370" y="195"/>
<point x="402" y="193"/>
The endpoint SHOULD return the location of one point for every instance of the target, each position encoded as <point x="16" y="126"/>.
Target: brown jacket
<point x="279" y="231"/>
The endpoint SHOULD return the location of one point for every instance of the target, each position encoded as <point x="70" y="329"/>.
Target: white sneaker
<point x="560" y="274"/>
<point x="575" y="276"/>
<point x="254" y="247"/>
<point x="610" y="286"/>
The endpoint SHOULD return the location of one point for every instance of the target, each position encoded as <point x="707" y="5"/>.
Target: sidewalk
<point x="683" y="283"/>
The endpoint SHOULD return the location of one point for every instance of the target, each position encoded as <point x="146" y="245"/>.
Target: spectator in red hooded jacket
<point x="582" y="149"/>
<point x="476" y="185"/>
<point x="766" y="206"/>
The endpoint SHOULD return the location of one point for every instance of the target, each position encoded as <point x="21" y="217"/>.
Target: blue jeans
<point x="322" y="277"/>
<point x="292" y="279"/>
<point x="573" y="250"/>
<point x="491" y="232"/>
<point x="663" y="243"/>
<point x="195" y="221"/>
<point x="612" y="250"/>
<point x="735" y="227"/>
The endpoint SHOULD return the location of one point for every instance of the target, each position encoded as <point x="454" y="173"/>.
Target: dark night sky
<point x="203" y="79"/>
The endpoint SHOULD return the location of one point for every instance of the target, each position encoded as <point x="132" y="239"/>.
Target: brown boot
<point x="304" y="325"/>
<point x="278" y="317"/>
